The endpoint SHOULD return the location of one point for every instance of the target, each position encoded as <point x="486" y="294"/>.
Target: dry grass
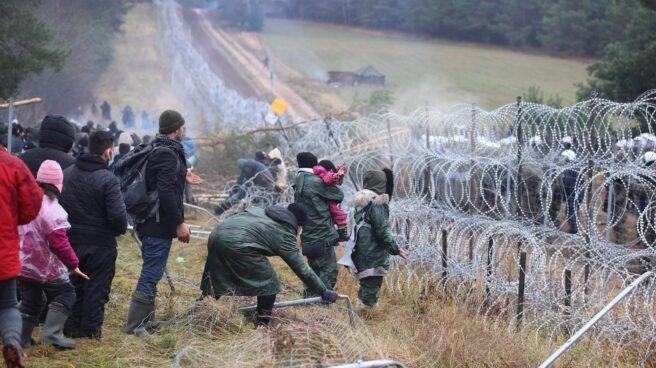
<point x="420" y="328"/>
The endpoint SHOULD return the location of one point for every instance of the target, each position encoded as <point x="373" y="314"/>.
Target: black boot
<point x="52" y="329"/>
<point x="142" y="310"/>
<point x="29" y="322"/>
<point x="265" y="310"/>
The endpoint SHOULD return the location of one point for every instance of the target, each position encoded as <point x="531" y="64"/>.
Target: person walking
<point x="167" y="174"/>
<point x="97" y="215"/>
<point x="373" y="240"/>
<point x="20" y="203"/>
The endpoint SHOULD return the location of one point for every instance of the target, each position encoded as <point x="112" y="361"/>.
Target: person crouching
<point x="237" y="261"/>
<point x="47" y="259"/>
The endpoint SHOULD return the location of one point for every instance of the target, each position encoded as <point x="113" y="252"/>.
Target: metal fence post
<point x="444" y="258"/>
<point x="520" y="292"/>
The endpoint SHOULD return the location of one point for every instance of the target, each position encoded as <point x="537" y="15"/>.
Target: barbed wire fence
<point x="498" y="216"/>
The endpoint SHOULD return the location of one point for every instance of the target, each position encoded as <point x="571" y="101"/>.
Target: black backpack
<point x="140" y="203"/>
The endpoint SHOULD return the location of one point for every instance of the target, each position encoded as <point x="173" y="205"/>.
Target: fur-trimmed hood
<point x="363" y="197"/>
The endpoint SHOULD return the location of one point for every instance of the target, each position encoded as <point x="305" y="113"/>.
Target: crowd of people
<point x="66" y="199"/>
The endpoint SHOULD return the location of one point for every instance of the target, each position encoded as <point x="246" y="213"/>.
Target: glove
<point x="329" y="296"/>
<point x="342" y="231"/>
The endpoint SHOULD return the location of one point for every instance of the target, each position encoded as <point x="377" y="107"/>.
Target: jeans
<point x="155" y="253"/>
<point x="33" y="295"/>
<point x="10" y="318"/>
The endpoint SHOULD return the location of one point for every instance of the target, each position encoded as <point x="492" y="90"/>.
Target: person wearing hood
<point x="572" y="196"/>
<point x="56" y="139"/>
<point x="319" y="235"/>
<point x="97" y="215"/>
<point x="238" y="249"/>
<point x="373" y="239"/>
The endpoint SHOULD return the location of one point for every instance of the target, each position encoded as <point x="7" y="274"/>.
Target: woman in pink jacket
<point x="47" y="259"/>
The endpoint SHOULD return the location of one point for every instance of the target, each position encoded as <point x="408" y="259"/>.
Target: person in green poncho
<point x="319" y="234"/>
<point x="373" y="238"/>
<point x="237" y="261"/>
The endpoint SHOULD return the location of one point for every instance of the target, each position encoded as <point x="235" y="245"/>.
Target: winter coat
<point x="92" y="198"/>
<point x="255" y="171"/>
<point x="56" y="138"/>
<point x="310" y="191"/>
<point x="238" y="248"/>
<point x="20" y="202"/>
<point x="374" y="242"/>
<point x="166" y="172"/>
<point x="46" y="253"/>
<point x="35" y="157"/>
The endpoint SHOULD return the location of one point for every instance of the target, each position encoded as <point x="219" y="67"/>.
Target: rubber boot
<point x="142" y="309"/>
<point x="52" y="329"/>
<point x="29" y="322"/>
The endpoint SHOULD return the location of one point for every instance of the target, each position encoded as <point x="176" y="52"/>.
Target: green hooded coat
<point x="238" y="248"/>
<point x="314" y="194"/>
<point x="374" y="243"/>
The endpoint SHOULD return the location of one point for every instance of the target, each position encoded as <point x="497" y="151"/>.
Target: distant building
<point x="365" y="75"/>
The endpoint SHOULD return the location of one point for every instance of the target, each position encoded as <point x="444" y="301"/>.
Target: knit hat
<point x="56" y="132"/>
<point x="170" y="121"/>
<point x="306" y="160"/>
<point x="51" y="173"/>
<point x="299" y="212"/>
<point x="375" y="181"/>
<point x="241" y="163"/>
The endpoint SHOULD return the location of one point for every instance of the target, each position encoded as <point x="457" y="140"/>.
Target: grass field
<point x="439" y="73"/>
<point x="137" y="76"/>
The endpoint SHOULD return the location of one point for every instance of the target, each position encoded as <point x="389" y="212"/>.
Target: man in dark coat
<point x="106" y="110"/>
<point x="238" y="249"/>
<point x="253" y="172"/>
<point x="56" y="139"/>
<point x="319" y="234"/>
<point x="97" y="215"/>
<point x="166" y="173"/>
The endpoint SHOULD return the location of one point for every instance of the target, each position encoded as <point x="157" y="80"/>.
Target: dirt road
<point x="240" y="69"/>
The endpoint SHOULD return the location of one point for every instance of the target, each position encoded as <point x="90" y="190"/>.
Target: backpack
<point x="140" y="203"/>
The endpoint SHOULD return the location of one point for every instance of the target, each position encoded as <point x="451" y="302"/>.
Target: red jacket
<point x="20" y="202"/>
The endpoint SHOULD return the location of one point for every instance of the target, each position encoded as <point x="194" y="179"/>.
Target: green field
<point x="421" y="71"/>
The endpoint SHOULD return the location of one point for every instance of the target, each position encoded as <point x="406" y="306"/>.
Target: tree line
<point x="620" y="33"/>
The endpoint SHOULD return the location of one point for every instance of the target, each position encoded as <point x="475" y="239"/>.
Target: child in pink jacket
<point x="332" y="175"/>
<point x="47" y="259"/>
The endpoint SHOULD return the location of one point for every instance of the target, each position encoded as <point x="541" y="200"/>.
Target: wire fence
<point x="534" y="215"/>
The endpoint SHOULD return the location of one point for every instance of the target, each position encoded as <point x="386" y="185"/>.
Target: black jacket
<point x="94" y="203"/>
<point x="166" y="172"/>
<point x="35" y="157"/>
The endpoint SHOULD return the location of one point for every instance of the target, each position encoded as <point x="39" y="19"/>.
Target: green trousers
<point x="326" y="268"/>
<point x="369" y="289"/>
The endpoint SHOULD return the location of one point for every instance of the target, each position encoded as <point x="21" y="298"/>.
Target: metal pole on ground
<point x="572" y="340"/>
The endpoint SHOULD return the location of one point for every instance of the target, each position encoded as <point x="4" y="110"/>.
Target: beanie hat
<point x="56" y="132"/>
<point x="170" y="121"/>
<point x="306" y="160"/>
<point x="241" y="163"/>
<point x="51" y="173"/>
<point x="299" y="212"/>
